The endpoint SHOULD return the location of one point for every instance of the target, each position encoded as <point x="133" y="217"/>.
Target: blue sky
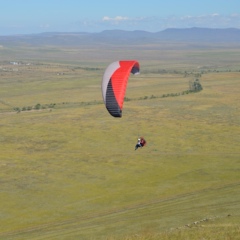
<point x="36" y="16"/>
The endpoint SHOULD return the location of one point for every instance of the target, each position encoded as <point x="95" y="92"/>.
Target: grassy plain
<point x="71" y="172"/>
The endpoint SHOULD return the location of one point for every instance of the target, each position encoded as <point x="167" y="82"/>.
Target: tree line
<point x="194" y="86"/>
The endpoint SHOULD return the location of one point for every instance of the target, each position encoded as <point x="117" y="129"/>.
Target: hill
<point x="196" y="35"/>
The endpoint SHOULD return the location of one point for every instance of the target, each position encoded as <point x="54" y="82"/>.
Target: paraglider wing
<point x="114" y="84"/>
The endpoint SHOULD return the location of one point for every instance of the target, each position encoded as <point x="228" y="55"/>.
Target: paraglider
<point x="141" y="143"/>
<point x="114" y="84"/>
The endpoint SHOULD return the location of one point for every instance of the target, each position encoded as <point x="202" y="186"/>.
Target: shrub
<point x="195" y="86"/>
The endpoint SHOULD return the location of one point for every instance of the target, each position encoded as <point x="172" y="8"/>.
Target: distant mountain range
<point x="191" y="35"/>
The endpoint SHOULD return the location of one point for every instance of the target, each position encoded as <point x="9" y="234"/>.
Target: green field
<point x="69" y="169"/>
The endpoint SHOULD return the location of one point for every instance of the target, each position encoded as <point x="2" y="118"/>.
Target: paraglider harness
<point x="141" y="143"/>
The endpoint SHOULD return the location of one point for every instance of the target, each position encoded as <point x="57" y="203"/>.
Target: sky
<point x="37" y="16"/>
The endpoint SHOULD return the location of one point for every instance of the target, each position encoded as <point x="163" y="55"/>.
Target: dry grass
<point x="71" y="172"/>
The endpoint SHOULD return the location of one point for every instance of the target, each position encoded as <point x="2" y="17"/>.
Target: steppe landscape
<point x="69" y="170"/>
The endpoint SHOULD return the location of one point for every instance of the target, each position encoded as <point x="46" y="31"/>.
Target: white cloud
<point x="147" y="23"/>
<point x="151" y="24"/>
<point x="235" y="15"/>
<point x="45" y="26"/>
<point x="215" y="15"/>
<point x="155" y="24"/>
<point x="115" y="19"/>
<point x="214" y="20"/>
